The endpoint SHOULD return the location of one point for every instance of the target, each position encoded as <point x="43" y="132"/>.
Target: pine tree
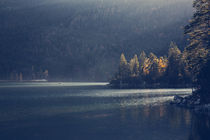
<point x="149" y="62"/>
<point x="173" y="71"/>
<point x="123" y="68"/>
<point x="162" y="65"/>
<point x="131" y="67"/>
<point x="153" y="69"/>
<point x="136" y="65"/>
<point x="198" y="32"/>
<point x="142" y="59"/>
<point x="197" y="52"/>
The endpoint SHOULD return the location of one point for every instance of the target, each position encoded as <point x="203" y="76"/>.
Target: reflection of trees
<point x="196" y="127"/>
<point x="146" y="111"/>
<point x="161" y="110"/>
<point x="123" y="109"/>
<point x="123" y="113"/>
<point x="200" y="128"/>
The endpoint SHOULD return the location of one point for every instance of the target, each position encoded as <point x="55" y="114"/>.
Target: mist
<point x="81" y="40"/>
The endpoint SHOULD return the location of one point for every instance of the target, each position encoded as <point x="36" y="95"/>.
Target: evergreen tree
<point x="153" y="67"/>
<point x="131" y="67"/>
<point x="136" y="65"/>
<point x="197" y="52"/>
<point x="173" y="70"/>
<point x="198" y="32"/>
<point x="142" y="59"/>
<point x="162" y="65"/>
<point x="149" y="63"/>
<point x="123" y="68"/>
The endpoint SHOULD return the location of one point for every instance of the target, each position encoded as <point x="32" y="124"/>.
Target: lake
<point x="92" y="111"/>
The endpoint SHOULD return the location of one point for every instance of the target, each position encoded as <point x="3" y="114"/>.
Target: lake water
<point x="91" y="111"/>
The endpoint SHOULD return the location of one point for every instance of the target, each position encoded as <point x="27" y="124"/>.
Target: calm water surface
<point x="91" y="111"/>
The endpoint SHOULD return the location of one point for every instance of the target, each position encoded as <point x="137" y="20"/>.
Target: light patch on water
<point x="100" y="106"/>
<point x="51" y="84"/>
<point x="59" y="110"/>
<point x="132" y="92"/>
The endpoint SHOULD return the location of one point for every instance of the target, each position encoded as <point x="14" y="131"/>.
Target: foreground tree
<point x="197" y="52"/>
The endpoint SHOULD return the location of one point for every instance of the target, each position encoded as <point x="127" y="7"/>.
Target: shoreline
<point x="191" y="102"/>
<point x="150" y="86"/>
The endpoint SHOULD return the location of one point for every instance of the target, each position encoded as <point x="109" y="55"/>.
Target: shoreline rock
<point x="191" y="102"/>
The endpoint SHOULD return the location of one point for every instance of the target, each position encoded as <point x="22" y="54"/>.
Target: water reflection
<point x="200" y="127"/>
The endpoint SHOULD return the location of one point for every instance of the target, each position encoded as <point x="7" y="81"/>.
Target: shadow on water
<point x="94" y="112"/>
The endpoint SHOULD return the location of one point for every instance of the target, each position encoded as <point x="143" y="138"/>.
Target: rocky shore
<point x="192" y="102"/>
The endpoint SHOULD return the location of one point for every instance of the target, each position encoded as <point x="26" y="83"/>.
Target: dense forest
<point x="81" y="40"/>
<point x="152" y="71"/>
<point x="191" y="66"/>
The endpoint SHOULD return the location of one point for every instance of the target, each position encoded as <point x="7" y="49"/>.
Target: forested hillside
<point x="83" y="40"/>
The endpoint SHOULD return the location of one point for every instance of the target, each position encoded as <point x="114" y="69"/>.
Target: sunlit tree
<point x="162" y="65"/>
<point x="153" y="67"/>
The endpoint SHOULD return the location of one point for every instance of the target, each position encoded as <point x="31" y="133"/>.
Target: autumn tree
<point x="162" y="65"/>
<point x="151" y="67"/>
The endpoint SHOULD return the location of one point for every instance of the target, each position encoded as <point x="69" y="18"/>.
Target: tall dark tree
<point x="173" y="72"/>
<point x="197" y="52"/>
<point x="198" y="32"/>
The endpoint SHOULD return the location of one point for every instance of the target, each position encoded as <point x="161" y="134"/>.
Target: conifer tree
<point x="173" y="69"/>
<point x="123" y="68"/>
<point x="197" y="52"/>
<point x="142" y="59"/>
<point x="131" y="67"/>
<point x="162" y="65"/>
<point x="198" y="31"/>
<point x="153" y="67"/>
<point x="136" y="65"/>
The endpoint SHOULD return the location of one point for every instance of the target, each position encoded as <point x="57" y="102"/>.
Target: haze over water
<point x="92" y="111"/>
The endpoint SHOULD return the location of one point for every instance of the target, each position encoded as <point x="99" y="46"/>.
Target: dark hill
<point x="82" y="40"/>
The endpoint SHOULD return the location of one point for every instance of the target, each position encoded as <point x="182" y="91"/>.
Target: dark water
<point x="90" y="111"/>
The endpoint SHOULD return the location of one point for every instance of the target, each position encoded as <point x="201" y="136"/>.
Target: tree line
<point x="152" y="71"/>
